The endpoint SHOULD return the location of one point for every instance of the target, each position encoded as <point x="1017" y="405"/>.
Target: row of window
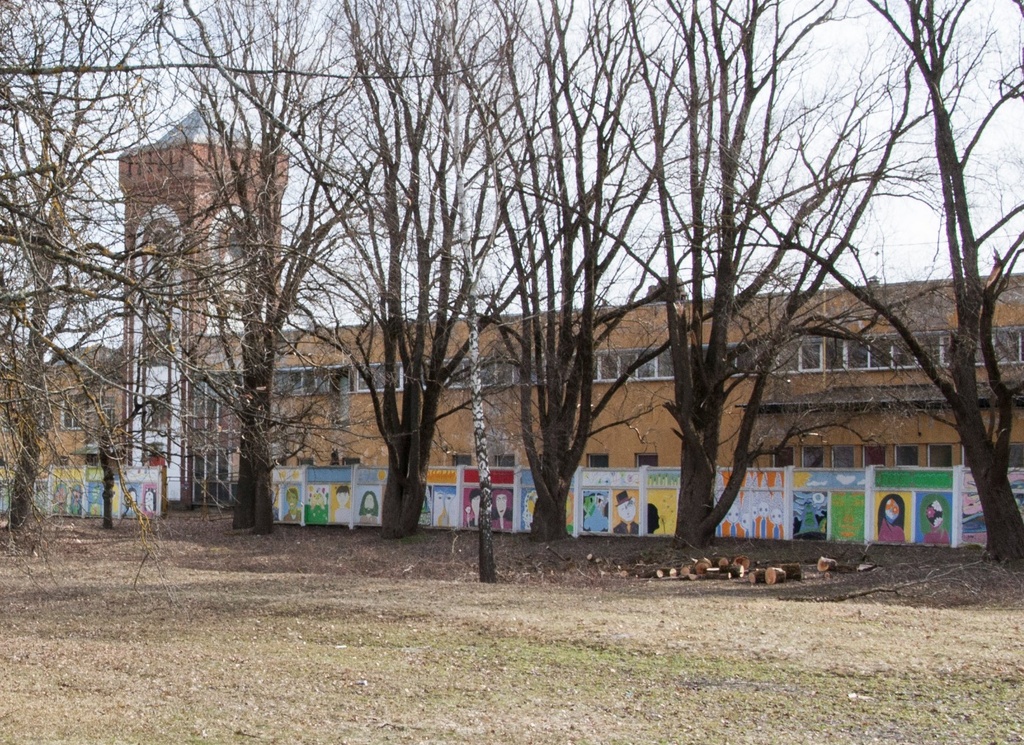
<point x="881" y="353"/>
<point x="888" y="352"/>
<point x="860" y="456"/>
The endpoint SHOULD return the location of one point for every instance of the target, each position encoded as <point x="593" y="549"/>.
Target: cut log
<point x="721" y="561"/>
<point x="826" y="564"/>
<point x="741" y="561"/>
<point x="701" y="566"/>
<point x="756" y="576"/>
<point x="794" y="572"/>
<point x="774" y="576"/>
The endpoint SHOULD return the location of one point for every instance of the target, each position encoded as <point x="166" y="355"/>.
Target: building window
<point x="812" y="456"/>
<point x="505" y="460"/>
<point x="783" y="457"/>
<point x="305" y="461"/>
<point x="810" y="354"/>
<point x="597" y="460"/>
<point x="1016" y="455"/>
<point x="70" y="420"/>
<point x="647" y="459"/>
<point x="1008" y="345"/>
<point x="379" y="377"/>
<point x="843" y="456"/>
<point x="874" y="455"/>
<point x="350" y="461"/>
<point x="906" y="455"/>
<point x="610" y="364"/>
<point x="940" y="456"/>
<point x="461" y="459"/>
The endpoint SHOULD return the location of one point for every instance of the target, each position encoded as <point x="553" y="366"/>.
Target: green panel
<point x="914" y="479"/>
<point x="846" y="516"/>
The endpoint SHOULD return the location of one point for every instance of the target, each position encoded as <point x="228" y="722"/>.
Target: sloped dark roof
<point x="859" y="398"/>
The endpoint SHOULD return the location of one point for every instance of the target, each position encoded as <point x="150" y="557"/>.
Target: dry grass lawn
<point x="192" y="634"/>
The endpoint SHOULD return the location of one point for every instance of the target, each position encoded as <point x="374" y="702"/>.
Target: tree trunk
<point x="255" y="508"/>
<point x="696" y="500"/>
<point x="549" y="513"/>
<point x="404" y="493"/>
<point x="1003" y="523"/>
<point x="24" y="486"/>
<point x="107" y="465"/>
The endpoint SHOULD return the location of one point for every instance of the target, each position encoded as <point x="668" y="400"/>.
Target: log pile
<point x="741" y="567"/>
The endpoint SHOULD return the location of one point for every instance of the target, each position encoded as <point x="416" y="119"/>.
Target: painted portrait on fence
<point x="444" y="510"/>
<point x="661" y="511"/>
<point x="527" y="503"/>
<point x="369" y="504"/>
<point x="846" y="516"/>
<point x="501" y="510"/>
<point x="933" y="511"/>
<point x="318" y="497"/>
<point x="662" y="500"/>
<point x="290" y="503"/>
<point x="626" y="512"/>
<point x="893" y="520"/>
<point x="341" y="504"/>
<point x="596" y="510"/>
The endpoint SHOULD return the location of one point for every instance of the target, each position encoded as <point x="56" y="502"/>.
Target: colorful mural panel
<point x="316" y="510"/>
<point x="94" y="499"/>
<point x="369" y="496"/>
<point x="846" y="516"/>
<point x="810" y="515"/>
<point x="661" y="511"/>
<point x="626" y="512"/>
<point x="341" y="504"/>
<point x="759" y="508"/>
<point x="893" y="520"/>
<point x="972" y="523"/>
<point x="445" y="510"/>
<point x="290" y="503"/>
<point x="932" y="514"/>
<point x="596" y="510"/>
<point x="662" y="501"/>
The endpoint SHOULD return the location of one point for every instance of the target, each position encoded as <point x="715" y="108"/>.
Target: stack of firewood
<point x="738" y="567"/>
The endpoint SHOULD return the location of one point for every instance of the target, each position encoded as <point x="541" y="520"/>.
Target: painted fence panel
<point x="912" y="506"/>
<point x="972" y="521"/>
<point x="610" y="501"/>
<point x="662" y="500"/>
<point x="893" y="505"/>
<point x="828" y="504"/>
<point x="368" y="488"/>
<point x="759" y="510"/>
<point x="77" y="491"/>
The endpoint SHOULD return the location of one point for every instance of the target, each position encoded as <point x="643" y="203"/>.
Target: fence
<point x="888" y="505"/>
<point x="78" y="492"/>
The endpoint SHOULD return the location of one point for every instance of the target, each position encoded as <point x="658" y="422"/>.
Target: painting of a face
<point x="627" y="510"/>
<point x="892" y="511"/>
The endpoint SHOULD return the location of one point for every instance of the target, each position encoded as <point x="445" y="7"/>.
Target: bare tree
<point x="971" y="85"/>
<point x="260" y="78"/>
<point x="58" y="275"/>
<point x="762" y="179"/>
<point x="574" y="203"/>
<point x="406" y="279"/>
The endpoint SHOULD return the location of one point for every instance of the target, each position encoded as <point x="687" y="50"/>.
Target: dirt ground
<point x="187" y="632"/>
<point x="907" y="575"/>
